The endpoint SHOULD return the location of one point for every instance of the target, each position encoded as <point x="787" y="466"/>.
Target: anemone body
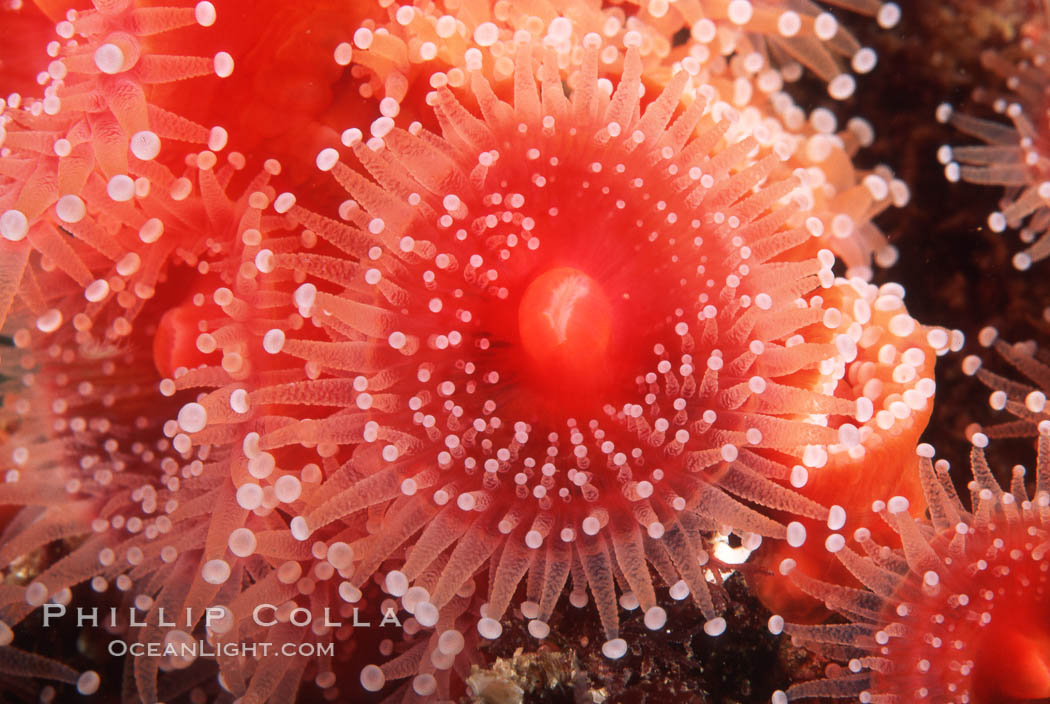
<point x="24" y="33"/>
<point x="895" y="374"/>
<point x="287" y="96"/>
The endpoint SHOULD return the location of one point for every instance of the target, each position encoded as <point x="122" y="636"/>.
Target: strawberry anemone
<point x="563" y="337"/>
<point x="785" y="34"/>
<point x="778" y="36"/>
<point x="887" y="363"/>
<point x="959" y="613"/>
<point x="399" y="62"/>
<point x="1015" y="155"/>
<point x="89" y="457"/>
<point x="1025" y="400"/>
<point x="97" y="466"/>
<point x="100" y="475"/>
<point x="76" y="165"/>
<point x="67" y="452"/>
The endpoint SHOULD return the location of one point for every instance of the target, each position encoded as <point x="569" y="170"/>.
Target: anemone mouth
<point x="177" y="339"/>
<point x="565" y="324"/>
<point x="566" y="333"/>
<point x="1013" y="661"/>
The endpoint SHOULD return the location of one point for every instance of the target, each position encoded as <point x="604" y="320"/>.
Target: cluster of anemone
<point x="568" y="292"/>
<point x="478" y="368"/>
<point x="949" y="603"/>
<point x="779" y="40"/>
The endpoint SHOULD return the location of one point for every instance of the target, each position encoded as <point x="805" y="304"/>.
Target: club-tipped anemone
<point x="776" y="37"/>
<point x="781" y="36"/>
<point x="957" y="613"/>
<point x="399" y="62"/>
<point x="79" y="166"/>
<point x="886" y="361"/>
<point x="91" y="456"/>
<point x="1023" y="398"/>
<point x="1016" y="152"/>
<point x="161" y="524"/>
<point x="682" y="341"/>
<point x="81" y="435"/>
<point x="565" y="304"/>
